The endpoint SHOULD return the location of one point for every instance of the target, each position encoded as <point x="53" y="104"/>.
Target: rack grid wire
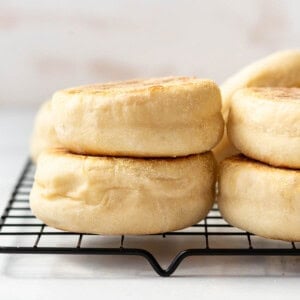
<point x="18" y="221"/>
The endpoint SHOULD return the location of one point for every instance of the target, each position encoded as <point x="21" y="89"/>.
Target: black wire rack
<point x="22" y="233"/>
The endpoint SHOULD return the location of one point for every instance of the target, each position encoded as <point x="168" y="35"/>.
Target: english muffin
<point x="108" y="195"/>
<point x="281" y="69"/>
<point x="164" y="117"/>
<point x="43" y="136"/>
<point x="264" y="124"/>
<point x="260" y="199"/>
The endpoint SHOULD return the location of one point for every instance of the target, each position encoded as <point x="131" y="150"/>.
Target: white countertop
<point x="63" y="277"/>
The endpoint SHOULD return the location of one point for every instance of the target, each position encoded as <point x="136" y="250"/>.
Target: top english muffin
<point x="162" y="117"/>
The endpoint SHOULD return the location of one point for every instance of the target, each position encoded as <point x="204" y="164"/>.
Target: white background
<point x="47" y="45"/>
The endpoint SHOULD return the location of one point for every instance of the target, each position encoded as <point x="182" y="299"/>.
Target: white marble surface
<point x="51" y="44"/>
<point x="64" y="277"/>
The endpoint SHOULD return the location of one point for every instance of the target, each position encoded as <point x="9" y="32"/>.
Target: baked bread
<point x="264" y="124"/>
<point x="43" y="136"/>
<point x="260" y="199"/>
<point x="164" y="117"/>
<point x="279" y="69"/>
<point x="113" y="196"/>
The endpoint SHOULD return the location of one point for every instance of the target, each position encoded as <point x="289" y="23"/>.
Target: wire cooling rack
<point x="22" y="233"/>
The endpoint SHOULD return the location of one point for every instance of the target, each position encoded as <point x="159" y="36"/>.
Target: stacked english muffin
<point x="43" y="136"/>
<point x="260" y="192"/>
<point x="280" y="69"/>
<point x="128" y="157"/>
<point x="134" y="157"/>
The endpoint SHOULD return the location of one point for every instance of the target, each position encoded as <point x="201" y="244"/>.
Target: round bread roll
<point x="44" y="135"/>
<point x="260" y="199"/>
<point x="165" y="117"/>
<point x="109" y="195"/>
<point x="279" y="69"/>
<point x="264" y="124"/>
